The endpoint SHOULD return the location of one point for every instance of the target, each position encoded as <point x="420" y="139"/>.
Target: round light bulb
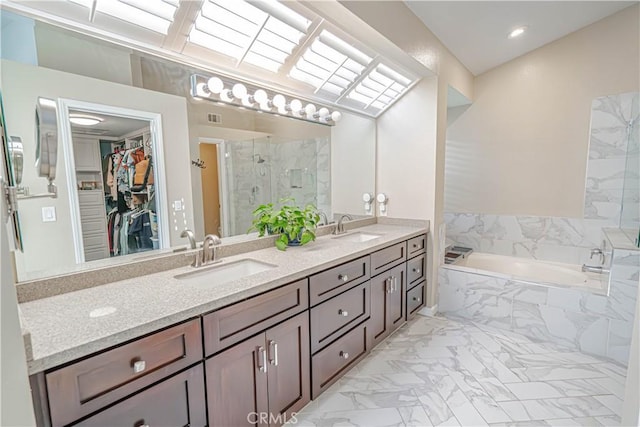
<point x="260" y="96"/>
<point x="239" y="90"/>
<point x="226" y="95"/>
<point x="323" y="112"/>
<point x="336" y="116"/>
<point x="215" y="85"/>
<point x="202" y="90"/>
<point x="310" y="110"/>
<point x="296" y="106"/>
<point x="248" y="100"/>
<point x="283" y="110"/>
<point x="266" y="106"/>
<point x="279" y="101"/>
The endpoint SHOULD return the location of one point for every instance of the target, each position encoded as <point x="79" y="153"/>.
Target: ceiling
<point x="283" y="46"/>
<point x="111" y="126"/>
<point x="476" y="31"/>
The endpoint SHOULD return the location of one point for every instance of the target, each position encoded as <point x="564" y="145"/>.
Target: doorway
<point x="210" y="174"/>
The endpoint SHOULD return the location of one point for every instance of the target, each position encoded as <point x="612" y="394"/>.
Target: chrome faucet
<point x="210" y="249"/>
<point x="599" y="252"/>
<point x="594" y="269"/>
<point x="339" y="229"/>
<point x="325" y="219"/>
<point x="189" y="235"/>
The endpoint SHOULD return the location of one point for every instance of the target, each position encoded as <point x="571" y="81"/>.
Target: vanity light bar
<point x="230" y="92"/>
<point x="330" y="64"/>
<point x="262" y="33"/>
<point x="155" y="15"/>
<point x="380" y="87"/>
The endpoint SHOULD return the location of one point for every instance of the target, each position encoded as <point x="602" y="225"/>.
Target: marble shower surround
<point x="564" y="239"/>
<point x="580" y="320"/>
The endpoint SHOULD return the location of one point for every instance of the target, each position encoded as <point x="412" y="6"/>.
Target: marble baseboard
<point x="575" y="319"/>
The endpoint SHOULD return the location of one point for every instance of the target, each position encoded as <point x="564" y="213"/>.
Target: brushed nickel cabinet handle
<point x="262" y="356"/>
<point x="139" y="366"/>
<point x="342" y="312"/>
<point x="343" y="277"/>
<point x="344" y="355"/>
<point x="387" y="283"/>
<point x="273" y="350"/>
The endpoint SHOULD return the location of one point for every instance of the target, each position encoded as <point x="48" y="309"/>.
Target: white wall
<point x="353" y="160"/>
<point x="521" y="148"/>
<point x="15" y="398"/>
<point x="49" y="245"/>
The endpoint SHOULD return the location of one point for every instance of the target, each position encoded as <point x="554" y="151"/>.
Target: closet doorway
<point x="211" y="186"/>
<point x="115" y="159"/>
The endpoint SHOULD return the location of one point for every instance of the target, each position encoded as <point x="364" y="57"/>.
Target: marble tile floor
<point x="452" y="372"/>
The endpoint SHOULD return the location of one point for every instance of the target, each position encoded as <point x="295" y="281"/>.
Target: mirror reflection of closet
<point x="115" y="183"/>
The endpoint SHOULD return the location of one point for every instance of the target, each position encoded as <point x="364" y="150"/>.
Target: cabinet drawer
<point x="328" y="365"/>
<point x="337" y="279"/>
<point x="333" y="317"/>
<point x="388" y="257"/>
<point x="416" y="245"/>
<point x="416" y="268"/>
<point x="236" y="322"/>
<point x="177" y="401"/>
<point x="93" y="212"/>
<point x="89" y="385"/>
<point x="91" y="197"/>
<point x="415" y="299"/>
<point x="94" y="226"/>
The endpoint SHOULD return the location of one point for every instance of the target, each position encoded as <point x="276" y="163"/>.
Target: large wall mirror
<point x="209" y="165"/>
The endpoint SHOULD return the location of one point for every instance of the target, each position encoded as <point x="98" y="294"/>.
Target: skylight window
<point x="330" y="64"/>
<point x="155" y="15"/>
<point x="263" y="33"/>
<point x="380" y="88"/>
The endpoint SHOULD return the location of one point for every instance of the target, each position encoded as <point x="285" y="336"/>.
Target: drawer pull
<point x="343" y="277"/>
<point x="416" y="270"/>
<point x="342" y="312"/>
<point x="273" y="345"/>
<point x="416" y="299"/>
<point x="415" y="245"/>
<point x="394" y="284"/>
<point x="344" y="355"/>
<point x="139" y="366"/>
<point x="262" y="356"/>
<point x="387" y="283"/>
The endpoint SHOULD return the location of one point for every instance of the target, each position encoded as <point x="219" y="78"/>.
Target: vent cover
<point x="214" y="118"/>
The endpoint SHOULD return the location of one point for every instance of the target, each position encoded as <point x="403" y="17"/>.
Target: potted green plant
<point x="295" y="225"/>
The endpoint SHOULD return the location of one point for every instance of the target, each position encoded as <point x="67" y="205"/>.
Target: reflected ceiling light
<point x="517" y="32"/>
<point x="84" y="119"/>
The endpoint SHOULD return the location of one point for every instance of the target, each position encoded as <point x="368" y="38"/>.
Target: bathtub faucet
<point x="594" y="269"/>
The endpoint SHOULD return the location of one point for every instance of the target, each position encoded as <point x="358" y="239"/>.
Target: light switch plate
<point x="48" y="214"/>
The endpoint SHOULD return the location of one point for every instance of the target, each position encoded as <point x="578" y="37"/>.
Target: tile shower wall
<point x="575" y="319"/>
<point x="298" y="169"/>
<point x="614" y="122"/>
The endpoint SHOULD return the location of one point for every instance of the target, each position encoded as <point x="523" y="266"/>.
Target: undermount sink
<point x="222" y="273"/>
<point x="358" y="236"/>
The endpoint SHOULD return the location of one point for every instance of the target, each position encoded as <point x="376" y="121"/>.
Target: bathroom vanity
<point x="188" y="352"/>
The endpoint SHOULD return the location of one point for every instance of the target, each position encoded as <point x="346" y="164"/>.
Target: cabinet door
<point x="387" y="303"/>
<point x="176" y="401"/>
<point x="237" y="384"/>
<point x="288" y="369"/>
<point x="86" y="152"/>
<point x="396" y="307"/>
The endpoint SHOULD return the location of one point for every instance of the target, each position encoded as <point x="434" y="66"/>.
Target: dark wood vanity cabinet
<point x="254" y="362"/>
<point x="263" y="379"/>
<point x="176" y="401"/>
<point x="387" y="303"/>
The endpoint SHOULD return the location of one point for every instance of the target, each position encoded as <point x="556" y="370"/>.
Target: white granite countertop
<point x="72" y="325"/>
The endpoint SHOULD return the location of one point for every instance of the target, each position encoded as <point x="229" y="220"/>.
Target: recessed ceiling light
<point x="84" y="120"/>
<point x="517" y="32"/>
